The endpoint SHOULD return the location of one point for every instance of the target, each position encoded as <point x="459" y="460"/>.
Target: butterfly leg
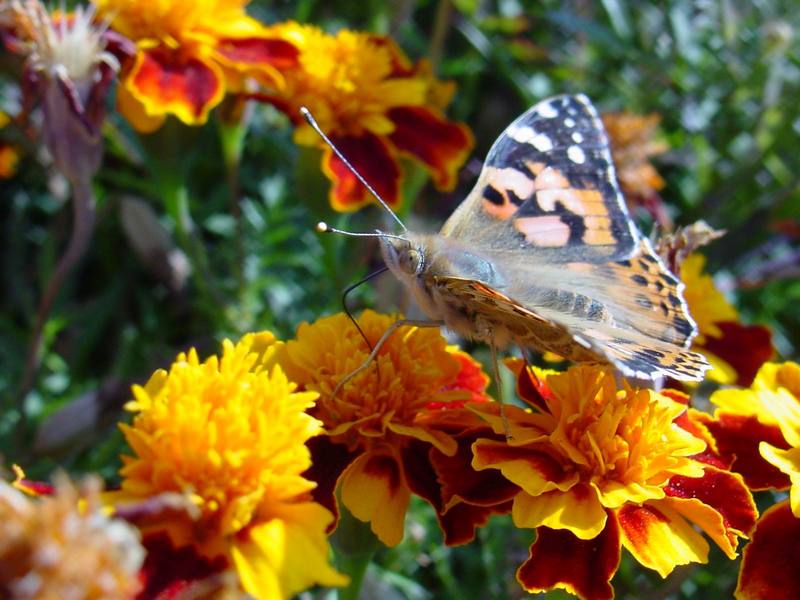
<point x="386" y="335"/>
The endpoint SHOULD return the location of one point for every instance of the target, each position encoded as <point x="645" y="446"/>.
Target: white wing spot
<point x="577" y="137"/>
<point x="522" y="135"/>
<point x="542" y="143"/>
<point x="548" y="111"/>
<point x="576" y="155"/>
<point x="569" y="122"/>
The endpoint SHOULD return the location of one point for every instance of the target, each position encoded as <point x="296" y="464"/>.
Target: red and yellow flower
<point x="376" y="106"/>
<point x="599" y="468"/>
<point x="189" y="54"/>
<point x="735" y="351"/>
<point x="9" y="156"/>
<point x="215" y="479"/>
<point x="382" y="424"/>
<point x="758" y="430"/>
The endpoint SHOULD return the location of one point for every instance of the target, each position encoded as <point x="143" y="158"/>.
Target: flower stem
<point x="441" y="24"/>
<point x="83" y="216"/>
<point x="232" y="135"/>
<point x="355" y="545"/>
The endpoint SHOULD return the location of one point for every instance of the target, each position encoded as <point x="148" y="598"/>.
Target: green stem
<point x="176" y="201"/>
<point x="355" y="545"/>
<point x="83" y="221"/>
<point x="232" y="137"/>
<point x="441" y="24"/>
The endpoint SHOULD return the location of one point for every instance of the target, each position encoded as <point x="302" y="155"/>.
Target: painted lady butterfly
<point x="543" y="254"/>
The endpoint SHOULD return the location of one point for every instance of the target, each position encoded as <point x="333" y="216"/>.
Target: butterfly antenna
<point x="311" y="121"/>
<point x="323" y="227"/>
<point x="346" y="308"/>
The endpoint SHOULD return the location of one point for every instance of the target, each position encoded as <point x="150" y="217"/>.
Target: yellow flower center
<point x="346" y="81"/>
<point x="227" y="431"/>
<point x="624" y="436"/>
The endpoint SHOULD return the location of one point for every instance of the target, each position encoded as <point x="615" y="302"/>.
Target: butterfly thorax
<point x="430" y="266"/>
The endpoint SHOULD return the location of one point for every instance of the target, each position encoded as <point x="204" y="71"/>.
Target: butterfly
<point x="543" y="254"/>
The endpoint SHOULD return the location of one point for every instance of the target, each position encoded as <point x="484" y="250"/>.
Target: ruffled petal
<point x="169" y="82"/>
<point x="375" y="491"/>
<point x="788" y="461"/>
<point x="577" y="510"/>
<point x="660" y="538"/>
<point x="438" y="439"/>
<point x="535" y="472"/>
<point x="582" y="567"/>
<point x="286" y="554"/>
<point x="737" y="439"/>
<point x="441" y="145"/>
<point x="460" y="522"/>
<point x="373" y="159"/>
<point x="724" y="494"/>
<point x="769" y="565"/>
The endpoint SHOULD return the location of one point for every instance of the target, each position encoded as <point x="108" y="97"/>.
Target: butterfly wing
<point x="548" y="187"/>
<point x="548" y="214"/>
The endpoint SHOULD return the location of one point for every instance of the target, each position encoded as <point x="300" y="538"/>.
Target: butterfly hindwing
<point x="548" y="185"/>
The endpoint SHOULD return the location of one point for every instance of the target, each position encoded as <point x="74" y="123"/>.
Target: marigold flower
<point x="375" y="106"/>
<point x="63" y="546"/>
<point x="599" y="467"/>
<point x="189" y="53"/>
<point x="229" y="435"/>
<point x="382" y="424"/>
<point x="759" y="429"/>
<point x="735" y="351"/>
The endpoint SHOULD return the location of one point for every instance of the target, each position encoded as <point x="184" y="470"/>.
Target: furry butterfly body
<point x="542" y="253"/>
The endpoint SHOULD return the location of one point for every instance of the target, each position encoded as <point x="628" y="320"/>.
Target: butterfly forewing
<point x="548" y="185"/>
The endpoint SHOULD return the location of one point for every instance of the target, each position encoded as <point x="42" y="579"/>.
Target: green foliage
<point x="724" y="76"/>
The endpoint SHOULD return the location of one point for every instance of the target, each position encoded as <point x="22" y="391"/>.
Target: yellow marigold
<point x="230" y="434"/>
<point x="600" y="467"/>
<point x="373" y="421"/>
<point x="189" y="54"/>
<point x="63" y="546"/>
<point x="375" y="105"/>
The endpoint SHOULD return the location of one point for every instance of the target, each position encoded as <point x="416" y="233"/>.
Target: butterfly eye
<point x="412" y="261"/>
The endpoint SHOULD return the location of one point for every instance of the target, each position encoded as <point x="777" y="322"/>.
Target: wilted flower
<point x="189" y="54"/>
<point x="382" y="424"/>
<point x="599" y="468"/>
<point x="735" y="351"/>
<point x="71" y="67"/>
<point x="62" y="545"/>
<point x="632" y="145"/>
<point x="228" y="435"/>
<point x="375" y="106"/>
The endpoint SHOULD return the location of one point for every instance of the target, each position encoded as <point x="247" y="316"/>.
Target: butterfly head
<point x="403" y="256"/>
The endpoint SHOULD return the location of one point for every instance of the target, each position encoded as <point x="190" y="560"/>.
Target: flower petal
<point x="660" y="538"/>
<point x="535" y="472"/>
<point x="441" y="145"/>
<point x="286" y="554"/>
<point x="725" y="494"/>
<point x="257" y="52"/>
<point x="373" y="159"/>
<point x="168" y="82"/>
<point x="788" y="461"/>
<point x="374" y="490"/>
<point x="460" y="522"/>
<point x="743" y="347"/>
<point x="769" y="566"/>
<point x="737" y="437"/>
<point x="582" y="567"/>
<point x="577" y="510"/>
<point x="328" y="462"/>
